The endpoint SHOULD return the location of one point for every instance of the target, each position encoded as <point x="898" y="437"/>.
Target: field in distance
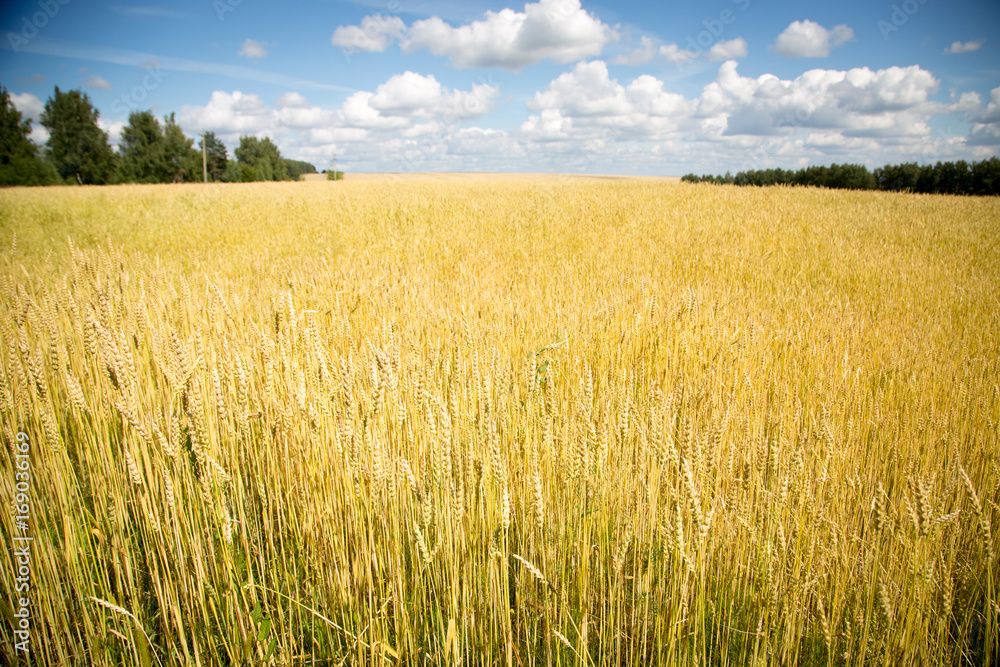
<point x="503" y="420"/>
<point x="485" y="176"/>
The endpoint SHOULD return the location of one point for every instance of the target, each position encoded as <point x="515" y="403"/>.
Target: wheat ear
<point x="125" y="612"/>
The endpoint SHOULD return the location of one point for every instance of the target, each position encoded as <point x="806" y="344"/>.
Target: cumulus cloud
<point x="986" y="121"/>
<point x="888" y="102"/>
<point x="645" y="52"/>
<point x="375" y="33"/>
<point x="252" y="49"/>
<point x="39" y="134"/>
<point x="558" y="30"/>
<point x="984" y="135"/>
<point x="96" y="82"/>
<point x="31" y="109"/>
<point x="750" y="122"/>
<point x="808" y="39"/>
<point x="113" y="129"/>
<point x="992" y="112"/>
<point x="726" y="50"/>
<point x="587" y="103"/>
<point x="585" y="120"/>
<point x="229" y="113"/>
<point x="405" y="103"/>
<point x="418" y="96"/>
<point x="476" y="141"/>
<point x="966" y="47"/>
<point x="674" y="54"/>
<point x="28" y="104"/>
<point x="291" y="99"/>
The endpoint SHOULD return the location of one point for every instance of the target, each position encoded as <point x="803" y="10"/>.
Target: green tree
<point x="898" y="177"/>
<point x="927" y="179"/>
<point x="182" y="162"/>
<point x="216" y="157"/>
<point x="142" y="150"/>
<point x="77" y="146"/>
<point x="233" y="172"/>
<point x="20" y="163"/>
<point x="297" y="167"/>
<point x="986" y="177"/>
<point x="264" y="159"/>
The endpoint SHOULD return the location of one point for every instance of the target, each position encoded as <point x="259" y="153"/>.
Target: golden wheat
<point x="446" y="422"/>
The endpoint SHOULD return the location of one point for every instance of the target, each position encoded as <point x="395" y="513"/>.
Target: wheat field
<point x="511" y="422"/>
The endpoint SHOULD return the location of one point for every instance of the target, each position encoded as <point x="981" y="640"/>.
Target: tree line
<point x="149" y="151"/>
<point x="953" y="178"/>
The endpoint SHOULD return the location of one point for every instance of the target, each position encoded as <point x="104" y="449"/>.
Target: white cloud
<point x="675" y="54"/>
<point x="28" y="104"/>
<point x="586" y="120"/>
<point x="31" y="109"/>
<point x="229" y="113"/>
<point x="586" y="103"/>
<point x="484" y="141"/>
<point x="404" y="111"/>
<point x="584" y="117"/>
<point x="992" y="112"/>
<point x="417" y="96"/>
<point x="734" y="48"/>
<point x="893" y="102"/>
<point x="291" y="99"/>
<point x="645" y="52"/>
<point x="375" y="33"/>
<point x="587" y="90"/>
<point x="252" y="49"/>
<point x="984" y="135"/>
<point x="114" y="130"/>
<point x="808" y="39"/>
<point x="96" y="82"/>
<point x="888" y="102"/>
<point x="39" y="134"/>
<point x="986" y="122"/>
<point x="558" y="30"/>
<point x="966" y="47"/>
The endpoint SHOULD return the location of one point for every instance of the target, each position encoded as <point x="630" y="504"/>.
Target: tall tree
<point x="216" y="157"/>
<point x="78" y="147"/>
<point x="264" y="159"/>
<point x="179" y="153"/>
<point x="142" y="149"/>
<point x="20" y="163"/>
<point x="986" y="177"/>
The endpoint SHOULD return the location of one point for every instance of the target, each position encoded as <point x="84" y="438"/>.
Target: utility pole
<point x="204" y="158"/>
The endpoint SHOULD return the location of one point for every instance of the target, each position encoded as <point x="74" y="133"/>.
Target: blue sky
<point x="551" y="86"/>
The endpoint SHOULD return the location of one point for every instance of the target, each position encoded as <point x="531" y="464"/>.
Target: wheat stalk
<point x="125" y="612"/>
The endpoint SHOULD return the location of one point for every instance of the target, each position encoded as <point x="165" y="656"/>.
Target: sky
<point x="559" y="86"/>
